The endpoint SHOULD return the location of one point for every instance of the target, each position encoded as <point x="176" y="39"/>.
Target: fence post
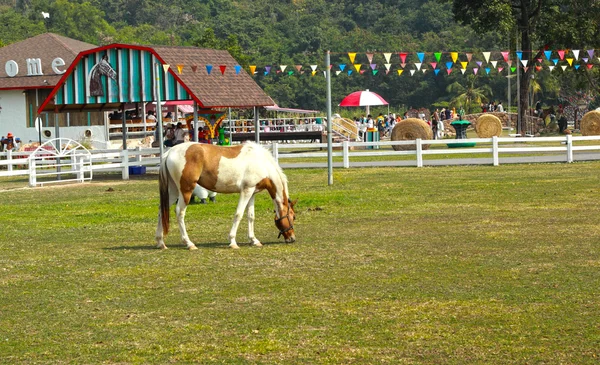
<point x="138" y="157"/>
<point x="32" y="176"/>
<point x="419" y="152"/>
<point x="8" y="158"/>
<point x="276" y="152"/>
<point x="569" y="148"/>
<point x="346" y="154"/>
<point x="495" y="150"/>
<point x="125" y="164"/>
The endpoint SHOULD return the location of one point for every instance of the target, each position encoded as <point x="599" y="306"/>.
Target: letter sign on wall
<point x="56" y="63"/>
<point x="34" y="67"/>
<point x="11" y="68"/>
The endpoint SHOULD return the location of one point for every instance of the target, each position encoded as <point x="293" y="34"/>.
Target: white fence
<point x="566" y="149"/>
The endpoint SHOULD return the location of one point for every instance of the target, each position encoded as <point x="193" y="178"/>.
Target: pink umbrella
<point x="363" y="98"/>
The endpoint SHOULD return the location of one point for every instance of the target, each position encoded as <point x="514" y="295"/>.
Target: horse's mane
<point x="270" y="157"/>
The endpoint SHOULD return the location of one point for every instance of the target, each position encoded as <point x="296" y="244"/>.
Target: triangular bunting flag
<point x="589" y="66"/>
<point x="454" y="56"/>
<point x="513" y="69"/>
<point x="551" y="67"/>
<point x="519" y="55"/>
<point x="479" y="63"/>
<point x="342" y="66"/>
<point x="494" y="63"/>
<point x="166" y="67"/>
<point x="209" y="69"/>
<point x="576" y="53"/>
<point x="400" y="72"/>
<point x="298" y="68"/>
<point x="282" y="67"/>
<point x="403" y="65"/>
<point x="433" y="64"/>
<point x="487" y="70"/>
<point x="370" y="57"/>
<point x="338" y="72"/>
<point x="548" y="54"/>
<point x="424" y="70"/>
<point x="505" y="56"/>
<point x="418" y="65"/>
<point x="373" y="66"/>
<point x="267" y="70"/>
<point x="570" y="61"/>
<point x="525" y="69"/>
<point x="179" y="69"/>
<point x="375" y="72"/>
<point x="291" y="72"/>
<point x="222" y="68"/>
<point x="349" y="72"/>
<point x="509" y="63"/>
<point x="325" y="74"/>
<point x="387" y="72"/>
<point x="524" y="62"/>
<point x="436" y="71"/>
<point x="313" y="73"/>
<point x="486" y="56"/>
<point x="421" y="56"/>
<point x="475" y="69"/>
<point x="387" y="57"/>
<point x="252" y="70"/>
<point x="194" y="68"/>
<point x="464" y="64"/>
<point x="500" y="69"/>
<point x="538" y="68"/>
<point x="357" y="66"/>
<point x="403" y="57"/>
<point x="438" y="56"/>
<point x="555" y="61"/>
<point x="313" y="67"/>
<point x="387" y="66"/>
<point x="449" y="71"/>
<point x="449" y="65"/>
<point x="462" y="70"/>
<point x="561" y="54"/>
<point x="539" y="60"/>
<point x="577" y="67"/>
<point x="412" y="72"/>
<point x="469" y="56"/>
<point x="590" y="53"/>
<point x="564" y="67"/>
<point x="351" y="55"/>
<point x="585" y="59"/>
<point x="238" y="68"/>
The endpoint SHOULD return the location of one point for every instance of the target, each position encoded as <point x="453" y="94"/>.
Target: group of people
<point x="383" y="124"/>
<point x="172" y="134"/>
<point x="492" y="107"/>
<point x="10" y="143"/>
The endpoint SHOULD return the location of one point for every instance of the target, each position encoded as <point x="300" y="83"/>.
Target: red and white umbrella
<point x="363" y="98"/>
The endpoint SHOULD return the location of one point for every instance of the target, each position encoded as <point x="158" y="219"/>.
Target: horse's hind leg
<point x="250" y="213"/>
<point x="180" y="212"/>
<point x="245" y="196"/>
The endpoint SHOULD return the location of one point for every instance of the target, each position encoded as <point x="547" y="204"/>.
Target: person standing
<point x="179" y="134"/>
<point x="500" y="107"/>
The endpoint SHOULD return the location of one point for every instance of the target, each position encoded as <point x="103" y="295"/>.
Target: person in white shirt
<point x="500" y="107"/>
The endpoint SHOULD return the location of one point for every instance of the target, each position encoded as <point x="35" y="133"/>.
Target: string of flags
<point x="412" y="62"/>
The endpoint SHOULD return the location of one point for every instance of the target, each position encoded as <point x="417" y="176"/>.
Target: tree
<point x="564" y="22"/>
<point x="468" y="94"/>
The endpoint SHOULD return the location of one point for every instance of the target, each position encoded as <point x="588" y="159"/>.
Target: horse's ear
<point x="293" y="202"/>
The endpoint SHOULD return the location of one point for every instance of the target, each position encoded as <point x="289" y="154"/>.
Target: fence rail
<point x="566" y="148"/>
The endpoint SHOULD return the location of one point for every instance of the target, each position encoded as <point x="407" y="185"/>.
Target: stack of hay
<point x="488" y="126"/>
<point x="590" y="124"/>
<point x="344" y="126"/>
<point x="409" y="130"/>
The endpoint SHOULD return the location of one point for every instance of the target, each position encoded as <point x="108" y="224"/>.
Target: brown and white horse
<point x="246" y="169"/>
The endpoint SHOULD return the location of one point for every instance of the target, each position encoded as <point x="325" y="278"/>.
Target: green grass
<point x="444" y="265"/>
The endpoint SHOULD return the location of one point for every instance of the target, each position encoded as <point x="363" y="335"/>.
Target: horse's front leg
<point x="250" y="214"/>
<point x="180" y="211"/>
<point x="245" y="196"/>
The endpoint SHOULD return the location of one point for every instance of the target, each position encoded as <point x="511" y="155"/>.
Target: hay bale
<point x="488" y="125"/>
<point x="411" y="129"/>
<point x="590" y="124"/>
<point x="346" y="127"/>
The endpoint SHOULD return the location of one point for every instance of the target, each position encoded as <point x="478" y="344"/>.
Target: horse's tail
<point x="163" y="188"/>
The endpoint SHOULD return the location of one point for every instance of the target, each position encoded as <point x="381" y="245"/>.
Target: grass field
<point x="444" y="265"/>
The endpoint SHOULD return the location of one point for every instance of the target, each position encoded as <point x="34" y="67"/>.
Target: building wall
<point x="12" y="116"/>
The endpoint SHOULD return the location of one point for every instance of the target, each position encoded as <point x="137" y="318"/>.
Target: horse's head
<point x="285" y="223"/>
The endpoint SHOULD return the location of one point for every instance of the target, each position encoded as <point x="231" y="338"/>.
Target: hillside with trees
<point x="298" y="32"/>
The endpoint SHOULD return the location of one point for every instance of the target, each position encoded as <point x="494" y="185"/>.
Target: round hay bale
<point x="488" y="125"/>
<point x="590" y="124"/>
<point x="411" y="129"/>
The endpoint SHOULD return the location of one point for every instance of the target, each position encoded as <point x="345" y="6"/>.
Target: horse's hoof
<point x="257" y="244"/>
<point x="234" y="246"/>
<point x="192" y="247"/>
<point x="161" y="247"/>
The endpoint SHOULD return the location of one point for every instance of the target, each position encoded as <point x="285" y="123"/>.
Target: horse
<point x="246" y="169"/>
<point x="99" y="69"/>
